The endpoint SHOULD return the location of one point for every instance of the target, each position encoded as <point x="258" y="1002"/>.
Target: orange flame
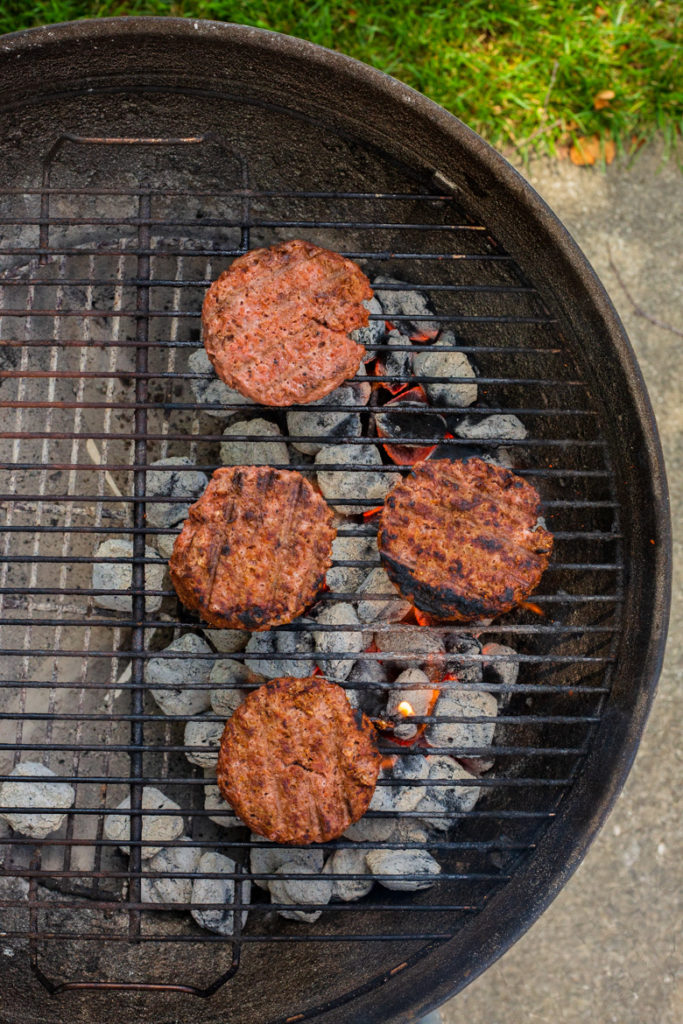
<point x="372" y="511"/>
<point x="422" y="618"/>
<point x="406" y="709"/>
<point x="531" y="607"/>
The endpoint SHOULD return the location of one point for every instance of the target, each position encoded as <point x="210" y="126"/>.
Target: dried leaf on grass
<point x="587" y="150"/>
<point x="603" y="98"/>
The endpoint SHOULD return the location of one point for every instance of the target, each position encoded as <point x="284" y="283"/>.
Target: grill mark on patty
<point x="285" y="534"/>
<point x="236" y="561"/>
<point x="260" y="333"/>
<point x="292" y="776"/>
<point x="457" y="539"/>
<point x="489" y="538"/>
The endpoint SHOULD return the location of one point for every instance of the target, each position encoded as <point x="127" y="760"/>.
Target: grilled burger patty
<point x="296" y="762"/>
<point x="276" y="324"/>
<point x="254" y="549"/>
<point x="459" y="539"/>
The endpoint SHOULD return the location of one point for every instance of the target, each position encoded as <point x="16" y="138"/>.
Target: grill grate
<point x="100" y="311"/>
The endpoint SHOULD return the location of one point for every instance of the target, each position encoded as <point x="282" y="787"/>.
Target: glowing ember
<point x="398" y="418"/>
<point x="405" y="708"/>
<point x="388" y="761"/>
<point x="422" y="618"/>
<point x="531" y="607"/>
<point x="379" y="370"/>
<point x="423" y="336"/>
<point x="372" y="512"/>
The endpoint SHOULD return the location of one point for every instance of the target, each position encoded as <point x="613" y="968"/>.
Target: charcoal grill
<point x="139" y="157"/>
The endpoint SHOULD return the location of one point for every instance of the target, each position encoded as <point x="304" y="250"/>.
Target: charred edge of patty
<point x="443" y="602"/>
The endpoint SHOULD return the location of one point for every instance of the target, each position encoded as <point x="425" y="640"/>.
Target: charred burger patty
<point x="296" y="762"/>
<point x="276" y="324"/>
<point x="254" y="549"/>
<point x="461" y="540"/>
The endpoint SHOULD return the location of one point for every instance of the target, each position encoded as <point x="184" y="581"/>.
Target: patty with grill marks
<point x="254" y="549"/>
<point x="461" y="539"/>
<point x="296" y="762"/>
<point x="277" y="323"/>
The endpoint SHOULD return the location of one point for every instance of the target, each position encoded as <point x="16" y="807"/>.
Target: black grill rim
<point x="573" y="287"/>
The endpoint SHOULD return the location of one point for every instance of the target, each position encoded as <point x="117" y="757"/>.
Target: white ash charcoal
<point x="354" y="698"/>
<point x="360" y="481"/>
<point x="397" y="362"/>
<point x="411" y="687"/>
<point x="412" y="830"/>
<point x="316" y="889"/>
<point x="411" y="768"/>
<point x="55" y="797"/>
<point x="372" y="334"/>
<point x="499" y="669"/>
<point x="171" y="860"/>
<point x="228" y="641"/>
<point x="202" y="732"/>
<point x="164" y="542"/>
<point x="500" y="457"/>
<point x="178" y="681"/>
<point x="283" y="642"/>
<point x="220" y="400"/>
<point x="328" y="426"/>
<point x="368" y="671"/>
<point x="446" y="798"/>
<point x="414" y="647"/>
<point x="346" y="579"/>
<point x="156" y="828"/>
<point x="253" y="453"/>
<point x="213" y="801"/>
<point x="434" y="362"/>
<point x="372" y="830"/>
<point x="501" y="426"/>
<point x="183" y="482"/>
<point x="405" y="301"/>
<point x="418" y="863"/>
<point x="468" y="704"/>
<point x="337" y="641"/>
<point x="218" y="890"/>
<point x="388" y="605"/>
<point x="266" y="860"/>
<point x="227" y="696"/>
<point x="348" y="862"/>
<point x="466" y="647"/>
<point x="117" y="577"/>
<point x="371" y="698"/>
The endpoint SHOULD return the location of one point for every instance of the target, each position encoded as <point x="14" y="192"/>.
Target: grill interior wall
<point x="60" y="513"/>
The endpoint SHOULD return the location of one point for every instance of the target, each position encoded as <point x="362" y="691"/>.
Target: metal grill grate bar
<point x="125" y="309"/>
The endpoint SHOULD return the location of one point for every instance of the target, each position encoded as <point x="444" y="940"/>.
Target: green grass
<point x="522" y="73"/>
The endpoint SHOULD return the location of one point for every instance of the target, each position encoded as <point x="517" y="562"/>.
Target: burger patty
<point x="276" y="324"/>
<point x="254" y="549"/>
<point x="296" y="762"/>
<point x="460" y="539"/>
